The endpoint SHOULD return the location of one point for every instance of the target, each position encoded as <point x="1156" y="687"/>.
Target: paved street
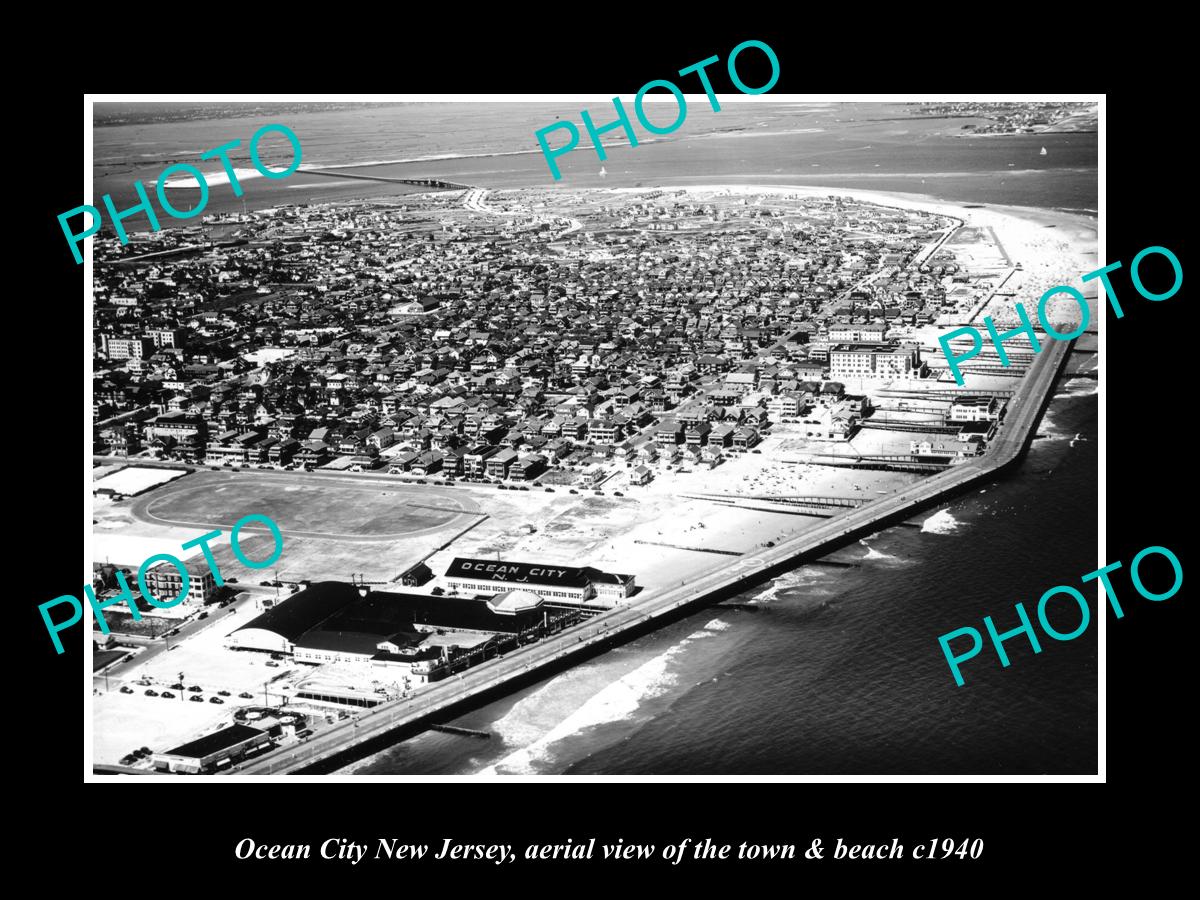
<point x="1021" y="417"/>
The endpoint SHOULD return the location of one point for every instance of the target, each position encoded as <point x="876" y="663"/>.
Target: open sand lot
<point x="668" y="531"/>
<point x="377" y="526"/>
<point x="132" y="479"/>
<point x="309" y="505"/>
<point x="333" y="525"/>
<point x="123" y="722"/>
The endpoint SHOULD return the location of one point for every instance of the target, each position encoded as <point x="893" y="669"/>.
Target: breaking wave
<point x="872" y="553"/>
<point x="1079" y="387"/>
<point x="615" y="702"/>
<point x="787" y="580"/>
<point x="941" y="522"/>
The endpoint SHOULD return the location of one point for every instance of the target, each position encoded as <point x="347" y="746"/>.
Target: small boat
<point x="1043" y="153"/>
<point x="602" y="172"/>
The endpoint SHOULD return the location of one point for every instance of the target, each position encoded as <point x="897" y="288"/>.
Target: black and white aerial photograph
<point x="466" y="437"/>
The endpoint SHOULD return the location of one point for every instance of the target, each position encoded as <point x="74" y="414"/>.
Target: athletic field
<point x="307" y="506"/>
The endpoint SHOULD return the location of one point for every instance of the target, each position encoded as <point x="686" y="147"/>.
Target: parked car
<point x="127" y="760"/>
<point x="618" y="494"/>
<point x="203" y="615"/>
<point x="196" y="698"/>
<point x="223" y="693"/>
<point x="211" y="699"/>
<point x="178" y="685"/>
<point x="573" y="491"/>
<point x="151" y="692"/>
<point x="276" y="656"/>
<point x="167" y="695"/>
<point x="549" y="490"/>
<point x="126" y="689"/>
<point x="246" y="695"/>
<point x="195" y="688"/>
<point x="145" y="751"/>
<point x="231" y="580"/>
<point x="272" y="664"/>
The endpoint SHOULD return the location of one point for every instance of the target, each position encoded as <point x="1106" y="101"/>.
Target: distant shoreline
<point x="996" y="134"/>
<point x="922" y="202"/>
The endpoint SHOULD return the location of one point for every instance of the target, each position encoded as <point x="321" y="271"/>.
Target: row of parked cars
<point x="229" y="467"/>
<point x="194" y="690"/>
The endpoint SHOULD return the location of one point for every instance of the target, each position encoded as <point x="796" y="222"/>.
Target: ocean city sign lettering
<point x="1026" y="327"/>
<point x="499" y="569"/>
<point x="955" y="660"/>
<point x="221" y="153"/>
<point x="126" y="595"/>
<point x="622" y="120"/>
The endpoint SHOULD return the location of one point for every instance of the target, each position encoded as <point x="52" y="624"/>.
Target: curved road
<point x="205" y="481"/>
<point x="1023" y="412"/>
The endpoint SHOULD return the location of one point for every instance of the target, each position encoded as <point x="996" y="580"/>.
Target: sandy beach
<point x="666" y="532"/>
<point x="632" y="533"/>
<point x="1054" y="247"/>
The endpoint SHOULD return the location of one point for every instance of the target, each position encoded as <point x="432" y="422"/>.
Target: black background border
<point x="1025" y="827"/>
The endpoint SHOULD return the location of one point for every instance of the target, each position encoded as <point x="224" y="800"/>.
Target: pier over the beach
<point x="371" y="730"/>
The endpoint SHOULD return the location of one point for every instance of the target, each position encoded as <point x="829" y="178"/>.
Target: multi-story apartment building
<point x="873" y="360"/>
<point x="125" y="348"/>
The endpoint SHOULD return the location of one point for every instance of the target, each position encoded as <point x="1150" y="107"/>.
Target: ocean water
<point x="839" y="670"/>
<point x="492" y="145"/>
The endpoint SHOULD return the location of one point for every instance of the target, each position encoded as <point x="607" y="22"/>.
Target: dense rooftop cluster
<point x="1009" y="117"/>
<point x="429" y="337"/>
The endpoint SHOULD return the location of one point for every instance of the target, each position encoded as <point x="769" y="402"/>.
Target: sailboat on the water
<point x="602" y="172"/>
<point x="1043" y="153"/>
